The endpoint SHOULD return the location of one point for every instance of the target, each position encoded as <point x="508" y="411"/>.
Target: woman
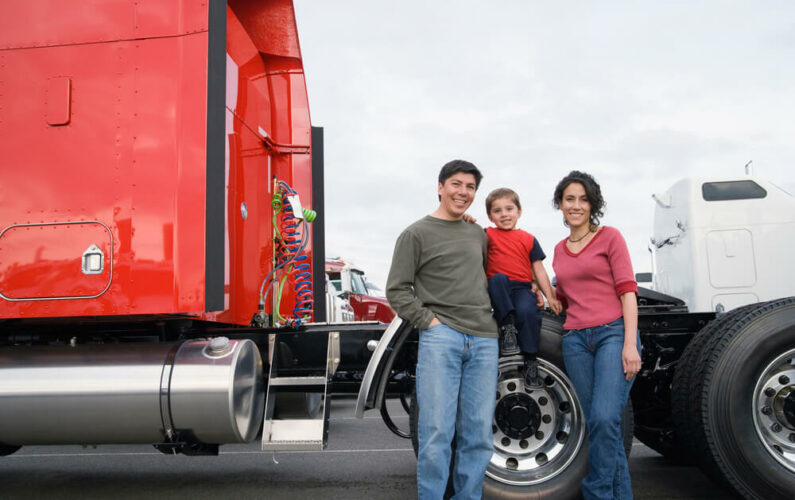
<point x="601" y="348"/>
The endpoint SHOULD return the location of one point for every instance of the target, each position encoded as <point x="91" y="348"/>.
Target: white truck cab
<point x="722" y="243"/>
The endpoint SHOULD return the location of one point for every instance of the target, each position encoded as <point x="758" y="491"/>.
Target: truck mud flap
<point x="376" y="376"/>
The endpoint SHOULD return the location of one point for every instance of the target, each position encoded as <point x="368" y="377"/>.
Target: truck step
<point x="288" y="426"/>
<point x="294" y="435"/>
<point x="296" y="381"/>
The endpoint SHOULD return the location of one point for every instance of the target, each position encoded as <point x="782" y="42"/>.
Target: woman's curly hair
<point x="592" y="191"/>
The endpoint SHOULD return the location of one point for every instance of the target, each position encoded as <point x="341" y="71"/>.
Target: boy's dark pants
<point x="517" y="297"/>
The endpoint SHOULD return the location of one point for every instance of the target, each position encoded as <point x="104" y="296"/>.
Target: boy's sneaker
<point x="509" y="345"/>
<point x="531" y="378"/>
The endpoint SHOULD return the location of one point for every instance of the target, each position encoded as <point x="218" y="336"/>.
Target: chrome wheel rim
<point x="774" y="409"/>
<point x="537" y="434"/>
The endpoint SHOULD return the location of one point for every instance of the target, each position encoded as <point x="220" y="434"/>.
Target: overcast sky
<point x="639" y="94"/>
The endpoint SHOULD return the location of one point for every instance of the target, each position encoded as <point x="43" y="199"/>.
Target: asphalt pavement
<point x="363" y="461"/>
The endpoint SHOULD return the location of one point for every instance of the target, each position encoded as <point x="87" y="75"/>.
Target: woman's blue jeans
<point x="593" y="362"/>
<point x="456" y="387"/>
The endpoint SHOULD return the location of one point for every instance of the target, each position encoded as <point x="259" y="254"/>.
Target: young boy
<point x="514" y="261"/>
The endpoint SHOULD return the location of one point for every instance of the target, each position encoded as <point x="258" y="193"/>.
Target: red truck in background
<point x="366" y="299"/>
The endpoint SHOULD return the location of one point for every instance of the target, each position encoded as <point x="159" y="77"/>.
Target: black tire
<point x="690" y="447"/>
<point x="753" y="355"/>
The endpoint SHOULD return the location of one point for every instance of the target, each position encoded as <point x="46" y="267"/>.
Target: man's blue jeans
<point x="593" y="362"/>
<point x="456" y="387"/>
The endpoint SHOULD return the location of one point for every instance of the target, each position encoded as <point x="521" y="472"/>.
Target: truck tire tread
<point x="690" y="444"/>
<point x="722" y="362"/>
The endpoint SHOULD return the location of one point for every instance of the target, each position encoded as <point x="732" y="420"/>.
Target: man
<point x="438" y="283"/>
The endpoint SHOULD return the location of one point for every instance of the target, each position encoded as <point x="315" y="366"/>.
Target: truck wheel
<point x="540" y="446"/>
<point x="689" y="444"/>
<point x="540" y="439"/>
<point x="748" y="402"/>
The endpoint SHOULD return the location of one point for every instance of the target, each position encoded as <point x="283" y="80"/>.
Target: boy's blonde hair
<point x="502" y="193"/>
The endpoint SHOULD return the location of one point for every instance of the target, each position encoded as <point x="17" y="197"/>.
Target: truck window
<point x="732" y="190"/>
<point x="357" y="282"/>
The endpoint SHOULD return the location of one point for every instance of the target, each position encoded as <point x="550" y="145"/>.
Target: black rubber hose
<point x="390" y="424"/>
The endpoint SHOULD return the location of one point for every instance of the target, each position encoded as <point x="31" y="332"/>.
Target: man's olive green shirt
<point x="438" y="269"/>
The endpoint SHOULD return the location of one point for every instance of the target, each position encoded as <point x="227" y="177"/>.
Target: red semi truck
<point x="161" y="257"/>
<point x="366" y="300"/>
<point x="156" y="228"/>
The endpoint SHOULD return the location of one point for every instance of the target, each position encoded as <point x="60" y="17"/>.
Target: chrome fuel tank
<point x="209" y="390"/>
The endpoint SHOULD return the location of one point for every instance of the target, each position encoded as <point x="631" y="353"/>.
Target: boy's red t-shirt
<point x="511" y="253"/>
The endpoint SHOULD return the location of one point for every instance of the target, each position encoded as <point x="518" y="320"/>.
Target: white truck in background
<point x="723" y="246"/>
<point x="718" y="245"/>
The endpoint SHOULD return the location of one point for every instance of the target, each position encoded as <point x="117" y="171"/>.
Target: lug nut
<point x="792" y="437"/>
<point x="542" y="401"/>
<point x="770" y="392"/>
<point x="783" y="380"/>
<point x="776" y="427"/>
<point x="766" y="410"/>
<point x="539" y="435"/>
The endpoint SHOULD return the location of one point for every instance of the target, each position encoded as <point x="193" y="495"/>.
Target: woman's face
<point x="575" y="205"/>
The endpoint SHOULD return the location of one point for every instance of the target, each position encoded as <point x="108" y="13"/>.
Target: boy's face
<point x="504" y="213"/>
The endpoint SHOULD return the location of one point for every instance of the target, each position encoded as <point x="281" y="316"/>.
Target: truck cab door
<point x="345" y="279"/>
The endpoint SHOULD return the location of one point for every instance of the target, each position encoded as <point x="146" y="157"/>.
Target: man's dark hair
<point x="592" y="191"/>
<point x="453" y="167"/>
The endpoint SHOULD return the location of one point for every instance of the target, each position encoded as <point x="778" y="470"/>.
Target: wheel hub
<point x="784" y="406"/>
<point x="536" y="434"/>
<point x="518" y="416"/>
<point x="774" y="409"/>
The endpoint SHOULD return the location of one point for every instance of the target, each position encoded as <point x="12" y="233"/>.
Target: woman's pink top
<point x="589" y="283"/>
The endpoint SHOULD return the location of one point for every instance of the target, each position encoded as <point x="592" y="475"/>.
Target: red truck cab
<point x="366" y="299"/>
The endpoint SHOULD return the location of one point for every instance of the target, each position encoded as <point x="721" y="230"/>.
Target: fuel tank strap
<point x="165" y="385"/>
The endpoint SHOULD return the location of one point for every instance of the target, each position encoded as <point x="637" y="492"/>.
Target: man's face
<point x="457" y="194"/>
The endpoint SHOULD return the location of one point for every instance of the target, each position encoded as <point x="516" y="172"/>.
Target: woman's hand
<point x="469" y="218"/>
<point x="555" y="305"/>
<point x="539" y="295"/>
<point x="631" y="360"/>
